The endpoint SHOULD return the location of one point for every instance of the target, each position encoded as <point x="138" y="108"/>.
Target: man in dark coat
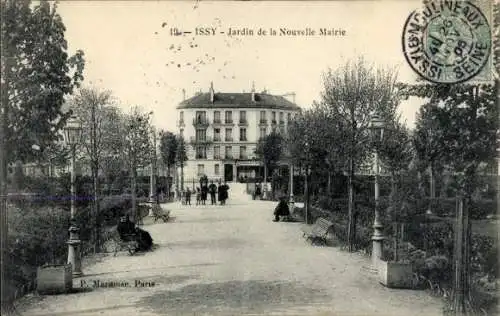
<point x="281" y="209"/>
<point x="127" y="230"/>
<point x="212" y="189"/>
<point x="125" y="227"/>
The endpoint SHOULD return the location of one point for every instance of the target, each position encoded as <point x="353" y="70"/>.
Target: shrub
<point x="37" y="235"/>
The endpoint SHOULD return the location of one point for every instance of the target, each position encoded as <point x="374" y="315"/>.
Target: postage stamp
<point x="447" y="41"/>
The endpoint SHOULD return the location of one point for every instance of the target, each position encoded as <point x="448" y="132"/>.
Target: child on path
<point x="198" y="196"/>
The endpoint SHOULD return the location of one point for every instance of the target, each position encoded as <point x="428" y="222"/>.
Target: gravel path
<point x="230" y="260"/>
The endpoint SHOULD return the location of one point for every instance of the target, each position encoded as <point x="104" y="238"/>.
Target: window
<point x="273" y="129"/>
<point x="181" y="132"/>
<point x="229" y="153"/>
<point x="243" y="116"/>
<point x="262" y="116"/>
<point x="262" y="132"/>
<point x="289" y="117"/>
<point x="282" y="129"/>
<point x="201" y="152"/>
<point x="201" y="169"/>
<point x="181" y="116"/>
<point x="201" y="116"/>
<point x="243" y="134"/>
<point x="282" y="118"/>
<point x="217" y="117"/>
<point x="274" y="117"/>
<point x="216" y="134"/>
<point x="229" y="117"/>
<point x="217" y="152"/>
<point x="229" y="135"/>
<point x="216" y="169"/>
<point x="201" y="135"/>
<point x="243" y="152"/>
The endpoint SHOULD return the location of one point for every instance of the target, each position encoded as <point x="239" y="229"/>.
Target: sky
<point x="130" y="51"/>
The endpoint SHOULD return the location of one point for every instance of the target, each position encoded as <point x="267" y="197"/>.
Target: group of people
<point x="218" y="193"/>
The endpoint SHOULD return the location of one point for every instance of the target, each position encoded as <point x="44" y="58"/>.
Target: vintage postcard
<point x="249" y="157"/>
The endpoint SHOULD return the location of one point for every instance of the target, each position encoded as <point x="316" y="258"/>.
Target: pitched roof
<point x="238" y="100"/>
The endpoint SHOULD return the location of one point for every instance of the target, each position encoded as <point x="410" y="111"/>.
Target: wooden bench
<point x="318" y="231"/>
<point x="127" y="242"/>
<point x="159" y="212"/>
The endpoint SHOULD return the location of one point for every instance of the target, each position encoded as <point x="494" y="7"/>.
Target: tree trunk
<point x="167" y="186"/>
<point x="351" y="229"/>
<point x="461" y="257"/>
<point x="306" y="197"/>
<point x="3" y="181"/>
<point x="134" y="195"/>
<point x="97" y="233"/>
<point x="329" y="184"/>
<point x="432" y="187"/>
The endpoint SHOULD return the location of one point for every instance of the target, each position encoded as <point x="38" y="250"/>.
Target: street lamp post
<point x="72" y="135"/>
<point x="377" y="125"/>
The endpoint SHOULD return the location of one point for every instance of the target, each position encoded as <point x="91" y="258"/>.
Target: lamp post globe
<point x="377" y="126"/>
<point x="72" y="136"/>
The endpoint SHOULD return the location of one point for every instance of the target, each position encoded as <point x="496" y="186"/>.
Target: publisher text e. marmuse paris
<point x="283" y="31"/>
<point x="108" y="284"/>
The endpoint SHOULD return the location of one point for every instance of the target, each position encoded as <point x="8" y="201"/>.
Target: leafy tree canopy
<point x="37" y="73"/>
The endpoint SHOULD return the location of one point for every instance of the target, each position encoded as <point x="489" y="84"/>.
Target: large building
<point x="221" y="131"/>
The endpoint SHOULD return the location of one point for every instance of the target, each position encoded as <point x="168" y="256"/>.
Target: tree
<point x="466" y="117"/>
<point x="37" y="74"/>
<point x="99" y="131"/>
<point x="396" y="151"/>
<point x="168" y="151"/>
<point x="352" y="93"/>
<point x="307" y="139"/>
<point x="181" y="157"/>
<point x="137" y="148"/>
<point x="270" y="149"/>
<point x="396" y="154"/>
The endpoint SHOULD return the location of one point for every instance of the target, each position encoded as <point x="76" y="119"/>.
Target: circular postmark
<point x="447" y="41"/>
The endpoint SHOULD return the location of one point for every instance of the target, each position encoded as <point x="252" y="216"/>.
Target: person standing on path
<point x="204" y="193"/>
<point x="198" y="196"/>
<point x="212" y="189"/>
<point x="188" y="196"/>
<point x="220" y="193"/>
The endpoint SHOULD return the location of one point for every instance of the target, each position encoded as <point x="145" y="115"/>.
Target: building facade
<point x="221" y="131"/>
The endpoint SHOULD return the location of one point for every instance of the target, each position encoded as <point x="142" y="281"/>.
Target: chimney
<point x="183" y="94"/>
<point x="253" y="91"/>
<point x="212" y="92"/>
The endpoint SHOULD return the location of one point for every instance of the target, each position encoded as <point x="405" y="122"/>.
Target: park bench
<point x="159" y="212"/>
<point x="318" y="231"/>
<point x="126" y="242"/>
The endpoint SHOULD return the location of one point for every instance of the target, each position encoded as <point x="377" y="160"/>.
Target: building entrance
<point x="228" y="172"/>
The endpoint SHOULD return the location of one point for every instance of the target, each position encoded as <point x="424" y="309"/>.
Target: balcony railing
<point x="217" y="139"/>
<point x="216" y="157"/>
<point x="180" y="123"/>
<point x="243" y="139"/>
<point x="201" y="122"/>
<point x="228" y="139"/>
<point x="228" y="156"/>
<point x="200" y="140"/>
<point x="273" y="122"/>
<point x="217" y="121"/>
<point x="228" y="121"/>
<point x="262" y="121"/>
<point x="282" y="122"/>
<point x="243" y="122"/>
